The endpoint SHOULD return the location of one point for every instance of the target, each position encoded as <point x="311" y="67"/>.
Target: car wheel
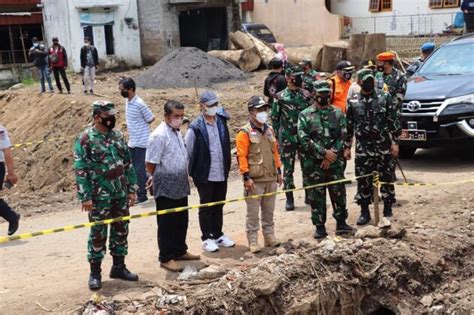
<point x="407" y="152"/>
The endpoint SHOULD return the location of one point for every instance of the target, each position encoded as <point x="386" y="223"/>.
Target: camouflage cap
<point x="106" y="107"/>
<point x="294" y="71"/>
<point x="364" y="74"/>
<point x="321" y="86"/>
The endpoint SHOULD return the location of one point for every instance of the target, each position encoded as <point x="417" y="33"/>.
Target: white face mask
<point x="212" y="111"/>
<point x="262" y="117"/>
<point x="176" y="123"/>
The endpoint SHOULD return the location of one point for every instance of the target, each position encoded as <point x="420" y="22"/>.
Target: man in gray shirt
<point x="167" y="161"/>
<point x="208" y="145"/>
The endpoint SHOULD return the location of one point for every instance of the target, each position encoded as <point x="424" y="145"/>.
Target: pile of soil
<point x="188" y="67"/>
<point x="391" y="274"/>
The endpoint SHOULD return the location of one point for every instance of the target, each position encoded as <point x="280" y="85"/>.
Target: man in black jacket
<point x="89" y="63"/>
<point x="208" y="145"/>
<point x="275" y="81"/>
<point x="467" y="7"/>
<point x="39" y="55"/>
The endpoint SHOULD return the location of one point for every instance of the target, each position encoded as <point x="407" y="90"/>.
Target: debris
<point x="189" y="272"/>
<point x="170" y="299"/>
<point x="368" y="231"/>
<point x="211" y="272"/>
<point x="43" y="308"/>
<point x="188" y="67"/>
<point x="16" y="86"/>
<point x="328" y="245"/>
<point x="427" y="300"/>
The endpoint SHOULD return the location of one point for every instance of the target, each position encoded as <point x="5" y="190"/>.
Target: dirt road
<point x="50" y="272"/>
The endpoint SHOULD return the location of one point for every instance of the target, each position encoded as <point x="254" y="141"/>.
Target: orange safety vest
<point x="340" y="89"/>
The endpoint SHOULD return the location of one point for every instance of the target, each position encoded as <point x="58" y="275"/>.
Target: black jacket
<point x="84" y="56"/>
<point x="276" y="81"/>
<point x="467" y="5"/>
<point x="39" y="56"/>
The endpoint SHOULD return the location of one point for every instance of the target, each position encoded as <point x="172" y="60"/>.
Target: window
<point x="374" y="5"/>
<point x="109" y="39"/>
<point x="386" y="5"/>
<point x="438" y="4"/>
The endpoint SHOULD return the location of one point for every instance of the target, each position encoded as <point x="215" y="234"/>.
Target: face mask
<point x="87" y="44"/>
<point x="347" y="76"/>
<point x="298" y="81"/>
<point x="108" y="122"/>
<point x="368" y="85"/>
<point x="55" y="43"/>
<point x="212" y="111"/>
<point x="323" y="99"/>
<point x="262" y="117"/>
<point x="176" y="123"/>
<point x="380" y="68"/>
<point x="124" y="93"/>
<point x="35" y="44"/>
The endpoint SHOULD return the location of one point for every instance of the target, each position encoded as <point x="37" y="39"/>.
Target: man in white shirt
<point x="138" y="117"/>
<point x="6" y="160"/>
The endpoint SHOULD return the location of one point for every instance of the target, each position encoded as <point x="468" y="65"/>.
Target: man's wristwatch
<point x="246" y="176"/>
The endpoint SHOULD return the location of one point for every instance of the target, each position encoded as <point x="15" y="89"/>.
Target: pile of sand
<point x="188" y="67"/>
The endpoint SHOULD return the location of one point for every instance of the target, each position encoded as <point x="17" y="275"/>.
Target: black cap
<point x="256" y="102"/>
<point x="344" y="65"/>
<point x="55" y="39"/>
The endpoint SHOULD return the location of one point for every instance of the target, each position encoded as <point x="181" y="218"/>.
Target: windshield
<point x="450" y="60"/>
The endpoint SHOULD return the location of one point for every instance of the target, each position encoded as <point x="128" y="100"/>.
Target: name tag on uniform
<point x="326" y="132"/>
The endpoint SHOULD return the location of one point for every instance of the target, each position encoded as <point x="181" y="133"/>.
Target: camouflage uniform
<point x="321" y="129"/>
<point x="105" y="175"/>
<point x="285" y="110"/>
<point x="375" y="123"/>
<point x="397" y="85"/>
<point x="309" y="78"/>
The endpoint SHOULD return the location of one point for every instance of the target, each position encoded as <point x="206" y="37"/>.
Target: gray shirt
<point x="167" y="151"/>
<point x="216" y="172"/>
<point x="4" y="142"/>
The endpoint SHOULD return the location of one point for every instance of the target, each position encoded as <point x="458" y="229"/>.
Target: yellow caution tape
<point x="430" y="184"/>
<point x="23" y="236"/>
<point x="19" y="145"/>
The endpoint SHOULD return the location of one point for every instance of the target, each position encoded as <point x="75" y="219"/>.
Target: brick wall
<point x="409" y="47"/>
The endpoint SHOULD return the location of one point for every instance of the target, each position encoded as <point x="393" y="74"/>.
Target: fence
<point x="402" y="25"/>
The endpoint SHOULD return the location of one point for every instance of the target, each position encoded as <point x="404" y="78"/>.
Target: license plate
<point x="413" y="135"/>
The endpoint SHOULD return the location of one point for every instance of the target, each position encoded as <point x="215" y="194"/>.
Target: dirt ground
<point x="424" y="266"/>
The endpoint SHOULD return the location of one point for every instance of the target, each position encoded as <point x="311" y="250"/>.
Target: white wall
<point x="62" y="19"/>
<point x="406" y="17"/>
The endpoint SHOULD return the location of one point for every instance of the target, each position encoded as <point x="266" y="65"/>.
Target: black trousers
<point x="5" y="211"/>
<point x="172" y="229"/>
<point x="62" y="72"/>
<point x="211" y="218"/>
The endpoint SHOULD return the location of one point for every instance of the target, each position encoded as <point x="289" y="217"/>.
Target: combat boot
<point x="320" y="232"/>
<point x="120" y="271"/>
<point x="342" y="228"/>
<point x="364" y="215"/>
<point x="271" y="240"/>
<point x="387" y="210"/>
<point x="95" y="279"/>
<point x="290" y="202"/>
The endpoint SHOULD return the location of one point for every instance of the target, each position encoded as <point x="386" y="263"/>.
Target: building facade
<point x="112" y="26"/>
<point x="397" y="17"/>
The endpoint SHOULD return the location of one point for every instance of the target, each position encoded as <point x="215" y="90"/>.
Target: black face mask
<point x="108" y="122"/>
<point x="124" y="93"/>
<point x="322" y="99"/>
<point x="347" y="76"/>
<point x="380" y="68"/>
<point x="368" y="85"/>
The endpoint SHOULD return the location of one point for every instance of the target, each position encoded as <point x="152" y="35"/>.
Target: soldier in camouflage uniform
<point x="373" y="119"/>
<point x="394" y="78"/>
<point x="284" y="115"/>
<point x="309" y="76"/>
<point x="106" y="186"/>
<point x="322" y="131"/>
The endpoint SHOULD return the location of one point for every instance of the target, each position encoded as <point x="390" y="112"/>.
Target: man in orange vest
<point x="341" y="83"/>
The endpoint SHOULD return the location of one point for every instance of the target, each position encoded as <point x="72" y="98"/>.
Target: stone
<point x="212" y="272"/>
<point x="305" y="306"/>
<point x="17" y="86"/>
<point x="120" y="298"/>
<point x="266" y="286"/>
<point x="248" y="255"/>
<point x="368" y="231"/>
<point x="437" y="309"/>
<point x="418" y="226"/>
<point x="358" y="243"/>
<point x="454" y="286"/>
<point x="427" y="300"/>
<point x="280" y="251"/>
<point x="189" y="272"/>
<point x="131" y="309"/>
<point x="149" y="295"/>
<point x="438" y="297"/>
<point x="328" y="245"/>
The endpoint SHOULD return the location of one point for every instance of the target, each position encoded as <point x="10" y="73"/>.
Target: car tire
<point x="407" y="152"/>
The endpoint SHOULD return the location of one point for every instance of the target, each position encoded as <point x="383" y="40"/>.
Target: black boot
<point x="306" y="197"/>
<point x="290" y="202"/>
<point x="387" y="210"/>
<point x="364" y="215"/>
<point x="120" y="271"/>
<point x="342" y="228"/>
<point x="95" y="279"/>
<point x="13" y="225"/>
<point x="320" y="232"/>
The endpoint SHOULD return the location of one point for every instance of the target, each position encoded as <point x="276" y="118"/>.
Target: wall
<point x="407" y="17"/>
<point x="62" y="19"/>
<point x="14" y="73"/>
<point x="297" y="22"/>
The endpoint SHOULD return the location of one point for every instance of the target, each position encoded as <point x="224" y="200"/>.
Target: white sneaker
<point x="210" y="246"/>
<point x="225" y="241"/>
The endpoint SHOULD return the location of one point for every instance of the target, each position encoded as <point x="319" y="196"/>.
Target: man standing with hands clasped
<point x="260" y="166"/>
<point x="208" y="144"/>
<point x="106" y="186"/>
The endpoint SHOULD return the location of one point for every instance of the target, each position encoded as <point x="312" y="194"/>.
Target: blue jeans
<point x="138" y="160"/>
<point x="44" y="74"/>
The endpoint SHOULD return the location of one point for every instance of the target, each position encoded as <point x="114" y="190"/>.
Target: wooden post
<point x="376" y="184"/>
<point x="11" y="42"/>
<point x="23" y="45"/>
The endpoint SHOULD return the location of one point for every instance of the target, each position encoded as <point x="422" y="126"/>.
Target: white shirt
<point x="4" y="142"/>
<point x="138" y="117"/>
